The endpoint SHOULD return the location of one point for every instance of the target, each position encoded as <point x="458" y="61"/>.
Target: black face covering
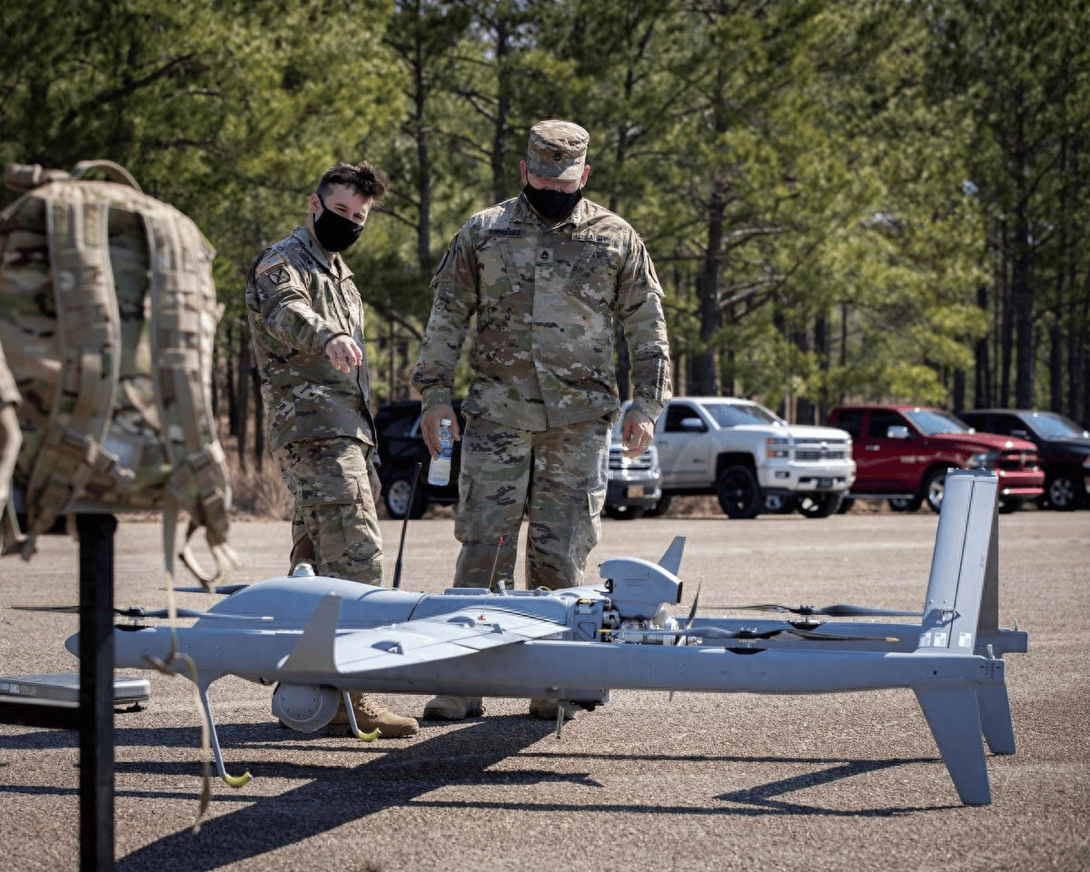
<point x="335" y="232"/>
<point x="552" y="205"/>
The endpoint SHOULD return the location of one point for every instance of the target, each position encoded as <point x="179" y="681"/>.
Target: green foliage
<point x="828" y="188"/>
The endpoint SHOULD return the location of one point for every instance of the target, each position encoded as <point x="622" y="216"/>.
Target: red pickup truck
<point x="902" y="454"/>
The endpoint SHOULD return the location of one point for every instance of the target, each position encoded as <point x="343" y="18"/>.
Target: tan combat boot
<point x="453" y="708"/>
<point x="371" y="716"/>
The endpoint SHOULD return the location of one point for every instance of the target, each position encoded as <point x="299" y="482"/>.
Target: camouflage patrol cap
<point x="557" y="150"/>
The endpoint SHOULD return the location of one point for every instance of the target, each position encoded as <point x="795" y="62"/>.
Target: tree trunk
<point x="244" y="367"/>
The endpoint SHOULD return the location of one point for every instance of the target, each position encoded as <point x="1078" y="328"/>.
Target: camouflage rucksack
<point x="107" y="318"/>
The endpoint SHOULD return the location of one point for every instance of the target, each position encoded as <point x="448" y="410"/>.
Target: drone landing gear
<point x="210" y="724"/>
<point x="356" y="731"/>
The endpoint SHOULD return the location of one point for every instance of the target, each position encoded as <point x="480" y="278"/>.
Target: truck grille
<point x="1014" y="461"/>
<point x="617" y="461"/>
<point x="819" y="449"/>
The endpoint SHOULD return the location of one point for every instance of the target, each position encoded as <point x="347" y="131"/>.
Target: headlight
<point x="985" y="460"/>
<point x="777" y="448"/>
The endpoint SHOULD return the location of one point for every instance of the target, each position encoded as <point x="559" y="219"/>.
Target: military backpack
<point x="108" y="314"/>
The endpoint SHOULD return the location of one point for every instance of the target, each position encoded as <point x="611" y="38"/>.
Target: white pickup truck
<point x="747" y="455"/>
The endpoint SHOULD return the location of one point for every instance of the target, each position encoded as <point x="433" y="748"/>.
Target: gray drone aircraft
<point x="317" y="638"/>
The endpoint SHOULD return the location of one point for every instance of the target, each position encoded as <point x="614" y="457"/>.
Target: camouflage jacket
<point x="547" y="300"/>
<point x="297" y="299"/>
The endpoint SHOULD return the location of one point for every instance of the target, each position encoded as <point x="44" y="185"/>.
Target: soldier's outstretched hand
<point x="343" y="352"/>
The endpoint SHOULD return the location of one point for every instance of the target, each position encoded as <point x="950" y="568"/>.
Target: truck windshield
<point x="737" y="414"/>
<point x="1049" y="425"/>
<point x="932" y="421"/>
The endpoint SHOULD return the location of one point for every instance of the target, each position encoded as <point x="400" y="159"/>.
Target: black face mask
<point x="335" y="232"/>
<point x="552" y="205"/>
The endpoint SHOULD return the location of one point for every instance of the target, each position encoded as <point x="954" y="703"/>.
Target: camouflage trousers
<point x="556" y="477"/>
<point x="335" y="527"/>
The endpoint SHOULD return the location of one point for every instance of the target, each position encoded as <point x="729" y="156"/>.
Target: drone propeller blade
<point x="692" y="611"/>
<point x="839" y="610"/>
<point x="752" y="634"/>
<point x="69" y="610"/>
<point x="836" y="637"/>
<point x="162" y="613"/>
<point x="137" y="612"/>
<point x="221" y="589"/>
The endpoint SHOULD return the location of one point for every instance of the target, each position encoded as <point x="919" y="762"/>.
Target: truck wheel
<point x="778" y="504"/>
<point x="1006" y="506"/>
<point x="905" y="504"/>
<point x="934" y="486"/>
<point x="659" y="508"/>
<point x="623" y="513"/>
<point x="819" y="505"/>
<point x="738" y="492"/>
<point x="1061" y="493"/>
<point x="845" y="504"/>
<point x="398" y="492"/>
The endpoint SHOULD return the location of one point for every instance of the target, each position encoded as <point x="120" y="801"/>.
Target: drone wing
<point x="409" y="643"/>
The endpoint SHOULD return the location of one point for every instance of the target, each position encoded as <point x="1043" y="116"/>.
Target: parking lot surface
<point x="705" y="781"/>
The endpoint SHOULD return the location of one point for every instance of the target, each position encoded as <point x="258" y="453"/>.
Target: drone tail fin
<point x="961" y="605"/>
<point x="671" y="559"/>
<point x="313" y="653"/>
<point x="962" y="592"/>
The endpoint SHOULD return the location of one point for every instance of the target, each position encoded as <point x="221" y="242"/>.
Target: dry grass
<point x="257" y="493"/>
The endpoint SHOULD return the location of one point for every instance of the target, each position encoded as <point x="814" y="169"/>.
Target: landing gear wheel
<point x="817" y="505"/>
<point x="738" y="492"/>
<point x="397" y="493"/>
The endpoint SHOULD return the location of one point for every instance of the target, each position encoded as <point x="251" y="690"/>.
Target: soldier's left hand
<point x="343" y="353"/>
<point x="637" y="433"/>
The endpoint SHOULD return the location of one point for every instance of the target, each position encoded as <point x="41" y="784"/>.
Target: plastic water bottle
<point x="439" y="469"/>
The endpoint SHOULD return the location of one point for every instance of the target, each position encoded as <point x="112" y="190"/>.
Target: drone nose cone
<point x="72" y="644"/>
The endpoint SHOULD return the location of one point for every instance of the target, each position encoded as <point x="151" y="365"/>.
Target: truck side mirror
<point x="897" y="431"/>
<point x="693" y="425"/>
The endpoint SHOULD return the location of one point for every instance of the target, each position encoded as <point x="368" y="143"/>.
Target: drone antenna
<point x="495" y="561"/>
<point x="405" y="524"/>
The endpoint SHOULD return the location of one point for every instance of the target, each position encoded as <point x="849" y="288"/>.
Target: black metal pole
<point x="405" y="525"/>
<point x="96" y="691"/>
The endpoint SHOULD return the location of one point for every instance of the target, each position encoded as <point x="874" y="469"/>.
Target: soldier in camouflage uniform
<point x="11" y="438"/>
<point x="306" y="319"/>
<point x="548" y="275"/>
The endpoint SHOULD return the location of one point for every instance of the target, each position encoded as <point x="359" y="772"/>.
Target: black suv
<point x="400" y="448"/>
<point x="1063" y="449"/>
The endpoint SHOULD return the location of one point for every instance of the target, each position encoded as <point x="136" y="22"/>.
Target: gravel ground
<point x="704" y="781"/>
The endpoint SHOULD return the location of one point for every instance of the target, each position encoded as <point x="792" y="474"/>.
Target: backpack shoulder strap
<point x="184" y="315"/>
<point x="88" y="327"/>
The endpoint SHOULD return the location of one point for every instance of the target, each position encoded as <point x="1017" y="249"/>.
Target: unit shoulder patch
<point x="273" y="260"/>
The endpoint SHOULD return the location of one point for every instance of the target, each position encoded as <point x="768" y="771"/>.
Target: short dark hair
<point x="362" y="178"/>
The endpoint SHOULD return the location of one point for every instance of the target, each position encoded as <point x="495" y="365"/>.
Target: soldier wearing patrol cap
<point x="306" y="320"/>
<point x="548" y="276"/>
